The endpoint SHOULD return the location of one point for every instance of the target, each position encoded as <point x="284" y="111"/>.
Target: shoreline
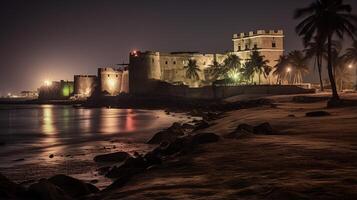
<point x="250" y="173"/>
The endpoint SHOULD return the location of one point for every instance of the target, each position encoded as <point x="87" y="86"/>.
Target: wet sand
<point x="33" y="134"/>
<point x="306" y="158"/>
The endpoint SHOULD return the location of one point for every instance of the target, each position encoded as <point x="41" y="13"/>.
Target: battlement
<point x="85" y="76"/>
<point x="259" y="33"/>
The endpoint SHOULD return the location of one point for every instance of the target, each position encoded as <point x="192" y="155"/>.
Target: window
<point x="204" y="63"/>
<point x="174" y="62"/>
<point x="152" y="60"/>
<point x="255" y="46"/>
<point x="239" y="48"/>
<point x="116" y="75"/>
<point x="108" y="75"/>
<point x="273" y="44"/>
<point x="246" y="46"/>
<point x="166" y="62"/>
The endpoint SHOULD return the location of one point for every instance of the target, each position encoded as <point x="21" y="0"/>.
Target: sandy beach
<point x="305" y="158"/>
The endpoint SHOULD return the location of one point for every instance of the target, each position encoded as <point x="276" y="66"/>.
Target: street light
<point x="288" y="69"/>
<point x="47" y="83"/>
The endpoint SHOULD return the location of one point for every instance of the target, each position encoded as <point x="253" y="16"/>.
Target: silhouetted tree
<point x="192" y="70"/>
<point x="281" y="69"/>
<point x="298" y="63"/>
<point x="325" y="19"/>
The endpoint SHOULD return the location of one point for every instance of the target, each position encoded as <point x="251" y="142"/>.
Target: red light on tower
<point x="135" y="53"/>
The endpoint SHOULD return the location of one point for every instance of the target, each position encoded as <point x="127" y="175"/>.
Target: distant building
<point x="146" y="67"/>
<point x="29" y="94"/>
<point x="56" y="90"/>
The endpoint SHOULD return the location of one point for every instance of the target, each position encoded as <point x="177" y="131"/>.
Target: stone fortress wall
<point x="84" y="85"/>
<point x="169" y="67"/>
<point x="110" y="80"/>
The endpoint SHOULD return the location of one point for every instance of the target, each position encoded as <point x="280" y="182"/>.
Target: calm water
<point x="32" y="133"/>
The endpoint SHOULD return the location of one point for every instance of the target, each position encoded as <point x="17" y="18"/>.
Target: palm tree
<point x="192" y="70"/>
<point x="316" y="49"/>
<point x="258" y="62"/>
<point x="248" y="72"/>
<point x="281" y="69"/>
<point x="351" y="57"/>
<point x="223" y="71"/>
<point x="298" y="62"/>
<point x="325" y="19"/>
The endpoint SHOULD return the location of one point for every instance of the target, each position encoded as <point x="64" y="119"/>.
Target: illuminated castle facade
<point x="147" y="66"/>
<point x="110" y="81"/>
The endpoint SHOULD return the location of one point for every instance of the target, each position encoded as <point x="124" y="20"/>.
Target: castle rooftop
<point x="259" y="33"/>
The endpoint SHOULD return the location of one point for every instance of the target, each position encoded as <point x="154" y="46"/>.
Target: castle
<point x="147" y="70"/>
<point x="147" y="66"/>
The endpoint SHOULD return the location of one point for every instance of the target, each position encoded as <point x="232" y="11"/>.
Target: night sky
<point x="57" y="39"/>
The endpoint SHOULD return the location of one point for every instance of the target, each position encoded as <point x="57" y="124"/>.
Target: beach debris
<point x="317" y="114"/>
<point x="112" y="157"/>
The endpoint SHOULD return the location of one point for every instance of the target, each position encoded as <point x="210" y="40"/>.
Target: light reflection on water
<point x="53" y="127"/>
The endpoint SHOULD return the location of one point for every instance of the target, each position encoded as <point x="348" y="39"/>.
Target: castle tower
<point x="270" y="44"/>
<point x="110" y="80"/>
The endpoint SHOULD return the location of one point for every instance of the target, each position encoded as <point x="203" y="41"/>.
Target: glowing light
<point x="111" y="83"/>
<point x="350" y="66"/>
<point x="234" y="75"/>
<point x="47" y="83"/>
<point x="288" y="69"/>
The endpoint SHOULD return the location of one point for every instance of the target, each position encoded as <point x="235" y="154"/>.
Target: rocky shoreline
<point x="177" y="140"/>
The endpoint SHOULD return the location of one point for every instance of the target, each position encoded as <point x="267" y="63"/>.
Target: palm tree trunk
<point x="330" y="69"/>
<point x="319" y="67"/>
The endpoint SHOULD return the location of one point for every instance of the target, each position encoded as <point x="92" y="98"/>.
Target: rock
<point x="130" y="166"/>
<point x="170" y="134"/>
<point x="177" y="146"/>
<point x="94" y="181"/>
<point x="243" y="130"/>
<point x="10" y="190"/>
<point x="308" y="99"/>
<point x="152" y="158"/>
<point x="317" y="114"/>
<point x="112" y="157"/>
<point x="45" y="190"/>
<point x="201" y="125"/>
<point x="103" y="170"/>
<point x="188" y="126"/>
<point x="51" y="156"/>
<point x="73" y="187"/>
<point x="263" y="129"/>
<point x="203" y="138"/>
<point x="291" y="115"/>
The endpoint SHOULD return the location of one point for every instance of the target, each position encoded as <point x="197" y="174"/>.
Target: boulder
<point x="130" y="166"/>
<point x="73" y="187"/>
<point x="170" y="134"/>
<point x="10" y="190"/>
<point x="179" y="145"/>
<point x="202" y="125"/>
<point x="152" y="158"/>
<point x="45" y="190"/>
<point x="103" y="170"/>
<point x="263" y="129"/>
<point x="243" y="130"/>
<point x="203" y="138"/>
<point x="112" y="157"/>
<point x="317" y="114"/>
